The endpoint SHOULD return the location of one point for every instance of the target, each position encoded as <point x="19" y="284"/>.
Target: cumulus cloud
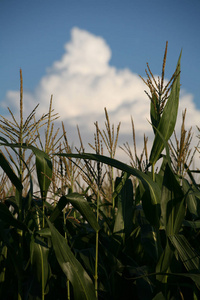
<point x="83" y="83"/>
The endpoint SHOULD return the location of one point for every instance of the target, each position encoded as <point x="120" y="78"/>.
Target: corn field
<point x="77" y="225"/>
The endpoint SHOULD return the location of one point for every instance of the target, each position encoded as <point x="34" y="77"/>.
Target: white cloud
<point x="86" y="54"/>
<point x="83" y="83"/>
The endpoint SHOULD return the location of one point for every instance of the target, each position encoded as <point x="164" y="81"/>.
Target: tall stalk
<point x="153" y="172"/>
<point x="21" y="142"/>
<point x="68" y="283"/>
<point x="20" y="291"/>
<point x="97" y="251"/>
<point x="110" y="140"/>
<point x="63" y="186"/>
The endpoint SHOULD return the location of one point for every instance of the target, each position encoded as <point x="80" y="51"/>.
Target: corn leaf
<point x="173" y="211"/>
<point x="159" y="296"/>
<point x="149" y="238"/>
<point x="193" y="203"/>
<point x="173" y="206"/>
<point x="153" y="192"/>
<point x="3" y="258"/>
<point x="168" y="118"/>
<point x="10" y="173"/>
<point x="44" y="170"/>
<point x="7" y="217"/>
<point x="189" y="256"/>
<point x="192" y="224"/>
<point x="43" y="166"/>
<point x="120" y="184"/>
<point x="164" y="263"/>
<point x="80" y="203"/>
<point x="152" y="212"/>
<point x="154" y="114"/>
<point x="124" y="218"/>
<point x="83" y="287"/>
<point x="39" y="260"/>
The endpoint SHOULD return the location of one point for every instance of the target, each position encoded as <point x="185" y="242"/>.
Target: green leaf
<point x="173" y="207"/>
<point x="152" y="212"/>
<point x="153" y="192"/>
<point x="149" y="241"/>
<point x="44" y="170"/>
<point x="80" y="203"/>
<point x="39" y="260"/>
<point x="193" y="203"/>
<point x="173" y="211"/>
<point x="120" y="184"/>
<point x="194" y="277"/>
<point x="154" y="113"/>
<point x="83" y="287"/>
<point x="9" y="172"/>
<point x="189" y="256"/>
<point x="159" y="296"/>
<point x="7" y="217"/>
<point x="124" y="218"/>
<point x="45" y="232"/>
<point x="163" y="265"/>
<point x="145" y="286"/>
<point x="43" y="166"/>
<point x="168" y="118"/>
<point x="192" y="224"/>
<point x="3" y="258"/>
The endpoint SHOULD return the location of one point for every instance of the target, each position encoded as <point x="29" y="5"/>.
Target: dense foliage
<point x="99" y="228"/>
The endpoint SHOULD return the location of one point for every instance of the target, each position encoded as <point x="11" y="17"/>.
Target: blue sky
<point x="34" y="35"/>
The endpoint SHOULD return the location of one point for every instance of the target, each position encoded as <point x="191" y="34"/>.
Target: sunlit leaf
<point x="44" y="170"/>
<point x="83" y="287"/>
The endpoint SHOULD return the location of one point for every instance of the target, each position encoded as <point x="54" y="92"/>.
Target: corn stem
<point x="97" y="251"/>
